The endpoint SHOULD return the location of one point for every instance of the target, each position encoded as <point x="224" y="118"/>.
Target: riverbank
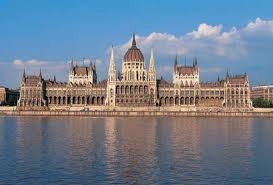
<point x="11" y="111"/>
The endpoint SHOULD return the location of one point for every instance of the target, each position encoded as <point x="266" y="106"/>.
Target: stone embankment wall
<point x="144" y="112"/>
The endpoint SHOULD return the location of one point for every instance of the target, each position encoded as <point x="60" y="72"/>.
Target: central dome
<point x="133" y="54"/>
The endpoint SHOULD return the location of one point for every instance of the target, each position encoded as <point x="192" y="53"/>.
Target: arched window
<point x="126" y="89"/>
<point x="136" y="89"/>
<point x="141" y="89"/>
<point x="117" y="90"/>
<point x="131" y="89"/>
<point x="145" y="89"/>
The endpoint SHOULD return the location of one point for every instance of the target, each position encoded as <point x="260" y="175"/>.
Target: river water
<point x="85" y="150"/>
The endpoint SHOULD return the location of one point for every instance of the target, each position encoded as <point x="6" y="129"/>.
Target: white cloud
<point x="211" y="70"/>
<point x="18" y="62"/>
<point x="98" y="62"/>
<point x="34" y="62"/>
<point x="206" y="31"/>
<point x="260" y="25"/>
<point x="30" y="63"/>
<point x="207" y="41"/>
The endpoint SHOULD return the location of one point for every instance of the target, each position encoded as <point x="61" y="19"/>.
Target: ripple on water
<point x="84" y="150"/>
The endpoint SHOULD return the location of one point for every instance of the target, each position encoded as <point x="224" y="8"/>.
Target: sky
<point x="224" y="35"/>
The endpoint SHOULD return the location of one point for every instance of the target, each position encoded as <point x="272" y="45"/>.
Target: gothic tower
<point x="111" y="82"/>
<point x="152" y="77"/>
<point x="152" y="74"/>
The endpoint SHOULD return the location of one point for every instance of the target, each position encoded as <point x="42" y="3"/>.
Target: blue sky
<point x="45" y="34"/>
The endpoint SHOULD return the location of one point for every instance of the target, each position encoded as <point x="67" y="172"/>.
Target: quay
<point x="255" y="112"/>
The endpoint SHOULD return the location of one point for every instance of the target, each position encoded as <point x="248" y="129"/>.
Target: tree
<point x="261" y="103"/>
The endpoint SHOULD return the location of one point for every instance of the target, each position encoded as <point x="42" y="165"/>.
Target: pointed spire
<point x="196" y="61"/>
<point x="40" y="74"/>
<point x="218" y="79"/>
<point x="152" y="65"/>
<point x="112" y="67"/>
<point x="112" y="58"/>
<point x="94" y="65"/>
<point x="24" y="74"/>
<point x="227" y="74"/>
<point x="71" y="64"/>
<point x="134" y="40"/>
<point x="175" y="61"/>
<point x="54" y="78"/>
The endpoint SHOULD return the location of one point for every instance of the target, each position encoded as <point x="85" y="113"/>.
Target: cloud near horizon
<point x="30" y="63"/>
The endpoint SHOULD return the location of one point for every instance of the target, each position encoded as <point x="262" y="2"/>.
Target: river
<point x="149" y="150"/>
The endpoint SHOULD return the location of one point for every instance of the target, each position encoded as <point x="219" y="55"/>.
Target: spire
<point x="227" y="74"/>
<point x="40" y="74"/>
<point x="71" y="64"/>
<point x="152" y="65"/>
<point x="218" y="79"/>
<point x="54" y="78"/>
<point x="24" y="74"/>
<point x="175" y="61"/>
<point x="94" y="65"/>
<point x="134" y="40"/>
<point x="112" y="68"/>
<point x="196" y="61"/>
<point x="112" y="60"/>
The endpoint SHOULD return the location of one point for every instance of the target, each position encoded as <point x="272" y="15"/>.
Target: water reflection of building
<point x="110" y="144"/>
<point x="137" y="148"/>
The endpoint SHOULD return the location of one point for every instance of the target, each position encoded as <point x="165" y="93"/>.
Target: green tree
<point x="261" y="103"/>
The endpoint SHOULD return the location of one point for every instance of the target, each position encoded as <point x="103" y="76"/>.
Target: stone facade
<point x="265" y="92"/>
<point x="135" y="87"/>
<point x="8" y="96"/>
<point x="82" y="74"/>
<point x="186" y="75"/>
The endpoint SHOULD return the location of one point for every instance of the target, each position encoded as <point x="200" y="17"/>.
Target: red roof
<point x="81" y="71"/>
<point x="133" y="53"/>
<point x="186" y="70"/>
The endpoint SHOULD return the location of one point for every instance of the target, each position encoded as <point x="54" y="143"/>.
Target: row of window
<point x="134" y="101"/>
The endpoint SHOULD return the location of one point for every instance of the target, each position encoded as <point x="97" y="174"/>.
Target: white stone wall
<point x="134" y="71"/>
<point x="186" y="79"/>
<point x="81" y="79"/>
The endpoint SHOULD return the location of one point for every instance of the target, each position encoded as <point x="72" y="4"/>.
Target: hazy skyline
<point x="223" y="35"/>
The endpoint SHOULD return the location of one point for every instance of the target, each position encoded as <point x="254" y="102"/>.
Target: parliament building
<point x="134" y="87"/>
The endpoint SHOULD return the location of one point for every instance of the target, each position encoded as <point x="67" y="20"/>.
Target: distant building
<point x="265" y="92"/>
<point x="134" y="86"/>
<point x="8" y="96"/>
